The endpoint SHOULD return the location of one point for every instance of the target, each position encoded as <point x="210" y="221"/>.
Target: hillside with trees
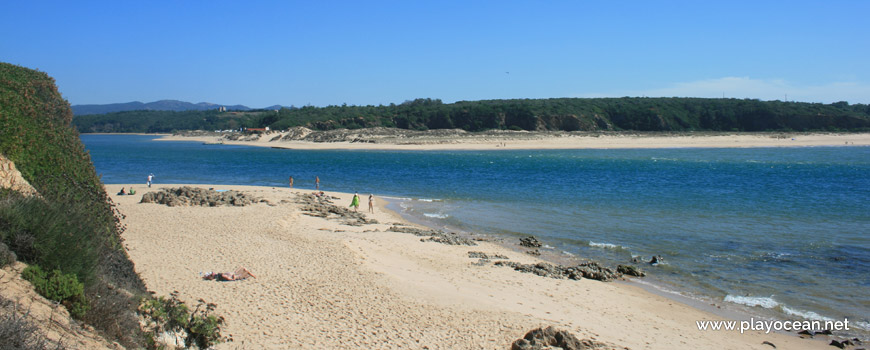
<point x="565" y="114"/>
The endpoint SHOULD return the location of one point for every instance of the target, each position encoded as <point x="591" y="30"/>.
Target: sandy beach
<point x="557" y="140"/>
<point x="322" y="284"/>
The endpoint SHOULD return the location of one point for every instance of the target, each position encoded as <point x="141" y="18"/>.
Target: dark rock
<point x="534" y="252"/>
<point x="449" y="239"/>
<point x="547" y="338"/>
<point x="656" y="259"/>
<point x="824" y="332"/>
<point x="190" y="196"/>
<point x="630" y="270"/>
<point x="837" y="344"/>
<point x="413" y="231"/>
<point x="588" y="270"/>
<point x="530" y="242"/>
<point x="768" y="343"/>
<point x="482" y="255"/>
<point x="805" y="334"/>
<point x="591" y="270"/>
<point x="434" y="236"/>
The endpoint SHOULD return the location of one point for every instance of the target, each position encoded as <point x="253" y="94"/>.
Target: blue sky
<point x="260" y="53"/>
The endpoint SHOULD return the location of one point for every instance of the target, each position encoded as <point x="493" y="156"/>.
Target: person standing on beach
<point x="372" y="203"/>
<point x="355" y="202"/>
<point x="291" y="182"/>
<point x="150" y="177"/>
<point x="317" y="183"/>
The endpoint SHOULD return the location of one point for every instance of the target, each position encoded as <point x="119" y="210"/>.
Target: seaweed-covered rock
<point x="449" y="239"/>
<point x="630" y="270"/>
<point x="434" y="236"/>
<point x="588" y="270"/>
<point x="189" y="196"/>
<point x="413" y="231"/>
<point x="550" y="338"/>
<point x="530" y="242"/>
<point x="482" y="255"/>
<point x="591" y="270"/>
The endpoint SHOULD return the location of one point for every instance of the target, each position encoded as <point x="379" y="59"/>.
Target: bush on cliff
<point x="60" y="287"/>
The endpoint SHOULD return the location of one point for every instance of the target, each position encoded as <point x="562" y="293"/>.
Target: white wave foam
<point x="547" y="246"/>
<point x="805" y="314"/>
<point x="429" y="200"/>
<point x="765" y="302"/>
<point x="605" y="245"/>
<point x="567" y="253"/>
<point x="439" y="216"/>
<point x="862" y="325"/>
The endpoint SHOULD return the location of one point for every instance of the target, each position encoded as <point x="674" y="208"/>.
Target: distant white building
<point x="222" y="109"/>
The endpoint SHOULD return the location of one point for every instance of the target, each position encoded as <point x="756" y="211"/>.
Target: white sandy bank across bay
<point x="325" y="285"/>
<point x="520" y="140"/>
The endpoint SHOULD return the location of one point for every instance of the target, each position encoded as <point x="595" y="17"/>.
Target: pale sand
<point x="324" y="285"/>
<point x="566" y="141"/>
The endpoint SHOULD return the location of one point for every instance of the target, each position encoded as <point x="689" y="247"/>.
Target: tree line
<point x="566" y="114"/>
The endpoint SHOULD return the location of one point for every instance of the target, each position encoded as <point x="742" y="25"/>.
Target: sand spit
<point x="396" y="139"/>
<point x="324" y="284"/>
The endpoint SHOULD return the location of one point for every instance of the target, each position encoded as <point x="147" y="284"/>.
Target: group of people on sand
<point x="355" y="202"/>
<point x="123" y="192"/>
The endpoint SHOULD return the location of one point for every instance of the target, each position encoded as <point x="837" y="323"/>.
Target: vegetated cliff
<point x="72" y="227"/>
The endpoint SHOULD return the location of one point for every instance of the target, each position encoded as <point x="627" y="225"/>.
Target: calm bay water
<point x="781" y="231"/>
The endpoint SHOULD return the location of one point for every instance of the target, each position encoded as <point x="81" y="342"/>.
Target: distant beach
<point x="324" y="284"/>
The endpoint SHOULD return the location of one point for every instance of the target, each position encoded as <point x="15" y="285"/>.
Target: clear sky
<point x="260" y="53"/>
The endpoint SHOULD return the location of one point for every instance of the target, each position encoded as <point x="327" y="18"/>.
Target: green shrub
<point x="200" y="327"/>
<point x="54" y="235"/>
<point x="59" y="287"/>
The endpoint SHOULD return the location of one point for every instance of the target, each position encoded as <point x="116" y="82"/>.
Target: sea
<point x="775" y="233"/>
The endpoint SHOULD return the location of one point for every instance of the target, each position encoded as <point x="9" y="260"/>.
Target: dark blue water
<point x="783" y="230"/>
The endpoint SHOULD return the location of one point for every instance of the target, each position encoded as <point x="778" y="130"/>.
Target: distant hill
<point x="162" y="105"/>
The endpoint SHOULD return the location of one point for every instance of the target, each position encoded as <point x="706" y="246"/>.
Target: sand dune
<point x="559" y="140"/>
<point x="324" y="285"/>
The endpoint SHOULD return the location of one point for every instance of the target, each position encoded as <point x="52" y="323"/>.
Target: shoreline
<point x="552" y="140"/>
<point x="649" y="284"/>
<point x="436" y="278"/>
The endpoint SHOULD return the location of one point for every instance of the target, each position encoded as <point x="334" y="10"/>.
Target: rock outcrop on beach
<point x="321" y="206"/>
<point x="482" y="255"/>
<point x="552" y="338"/>
<point x="630" y="270"/>
<point x="186" y="196"/>
<point x="530" y="242"/>
<point x="588" y="270"/>
<point x="449" y="238"/>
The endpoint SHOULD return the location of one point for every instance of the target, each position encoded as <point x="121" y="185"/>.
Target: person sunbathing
<point x="240" y="274"/>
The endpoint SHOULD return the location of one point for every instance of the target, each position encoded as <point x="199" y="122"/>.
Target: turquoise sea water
<point x="784" y="232"/>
